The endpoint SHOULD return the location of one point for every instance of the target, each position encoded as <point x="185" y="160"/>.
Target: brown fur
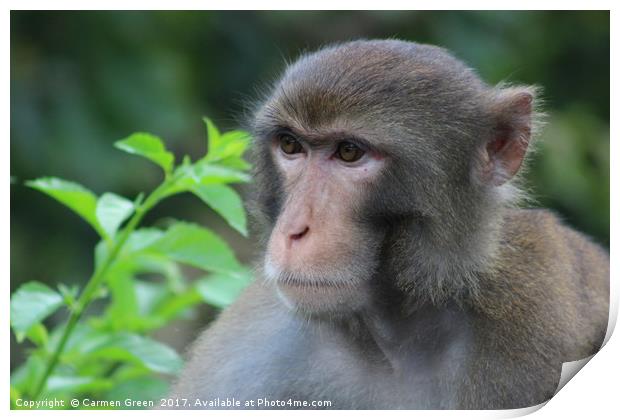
<point x="454" y="298"/>
<point x="547" y="302"/>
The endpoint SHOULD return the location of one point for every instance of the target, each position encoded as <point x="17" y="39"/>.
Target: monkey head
<point x="382" y="159"/>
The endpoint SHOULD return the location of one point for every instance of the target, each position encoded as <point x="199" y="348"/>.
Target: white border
<point x="593" y="394"/>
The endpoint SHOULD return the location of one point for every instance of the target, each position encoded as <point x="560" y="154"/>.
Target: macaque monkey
<point x="397" y="270"/>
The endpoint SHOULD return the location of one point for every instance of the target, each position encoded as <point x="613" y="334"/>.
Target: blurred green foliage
<point x="93" y="356"/>
<point x="80" y="80"/>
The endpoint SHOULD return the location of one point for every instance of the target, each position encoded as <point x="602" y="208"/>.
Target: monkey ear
<point x="504" y="152"/>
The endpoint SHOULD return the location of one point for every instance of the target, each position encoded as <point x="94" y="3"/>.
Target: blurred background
<point x="82" y="80"/>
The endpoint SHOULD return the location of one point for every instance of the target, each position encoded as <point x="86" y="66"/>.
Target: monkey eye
<point x="349" y="152"/>
<point x="289" y="145"/>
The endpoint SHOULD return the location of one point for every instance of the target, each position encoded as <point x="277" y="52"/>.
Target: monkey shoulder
<point x="559" y="256"/>
<point x="545" y="302"/>
<point x="551" y="270"/>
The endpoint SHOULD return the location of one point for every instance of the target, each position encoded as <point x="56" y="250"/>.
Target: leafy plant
<point x="137" y="271"/>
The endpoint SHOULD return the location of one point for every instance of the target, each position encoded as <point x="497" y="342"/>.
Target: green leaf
<point x="231" y="144"/>
<point x="178" y="304"/>
<point x="194" y="245"/>
<point x="149" y="295"/>
<point x="221" y="290"/>
<point x="112" y="210"/>
<point x="154" y="355"/>
<point x="202" y="173"/>
<point x="69" y="294"/>
<point x="226" y="202"/>
<point x="142" y="238"/>
<point x="218" y="174"/>
<point x="25" y="377"/>
<point x="88" y="345"/>
<point x="234" y="143"/>
<point x="76" y="384"/>
<point x="148" y="146"/>
<point x="73" y="195"/>
<point x="123" y="307"/>
<point x="137" y="241"/>
<point x="83" y="340"/>
<point x="32" y="303"/>
<point x="15" y="395"/>
<point x="235" y="162"/>
<point x="101" y="253"/>
<point x="38" y="334"/>
<point x="146" y="388"/>
<point x="213" y="137"/>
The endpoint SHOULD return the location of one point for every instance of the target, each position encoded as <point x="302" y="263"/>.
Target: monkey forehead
<point x="361" y="84"/>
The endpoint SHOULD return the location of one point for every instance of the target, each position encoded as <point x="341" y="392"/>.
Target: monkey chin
<point x="324" y="293"/>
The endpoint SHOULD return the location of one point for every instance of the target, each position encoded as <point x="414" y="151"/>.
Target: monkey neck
<point x="428" y="331"/>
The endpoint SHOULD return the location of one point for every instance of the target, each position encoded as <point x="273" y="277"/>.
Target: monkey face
<point x="381" y="148"/>
<point x="321" y="259"/>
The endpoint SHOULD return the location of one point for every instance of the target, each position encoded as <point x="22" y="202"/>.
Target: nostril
<point x="297" y="236"/>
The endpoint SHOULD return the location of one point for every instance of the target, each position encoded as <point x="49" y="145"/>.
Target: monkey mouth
<point x="298" y="282"/>
<point x="318" y="291"/>
<point x="317" y="296"/>
<point x="313" y="283"/>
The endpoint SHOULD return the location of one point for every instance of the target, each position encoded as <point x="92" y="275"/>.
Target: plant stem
<point x="95" y="281"/>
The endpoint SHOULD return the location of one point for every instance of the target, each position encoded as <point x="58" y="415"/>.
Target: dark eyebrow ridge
<point x="336" y="136"/>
